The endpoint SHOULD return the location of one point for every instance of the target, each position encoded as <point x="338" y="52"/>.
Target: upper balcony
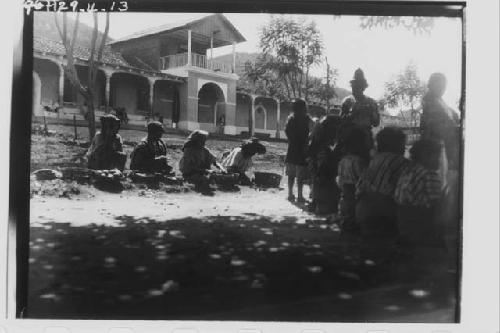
<point x="177" y="61"/>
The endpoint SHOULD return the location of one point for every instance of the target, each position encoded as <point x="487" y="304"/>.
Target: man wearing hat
<point x="150" y="155"/>
<point x="359" y="109"/>
<point x="106" y="150"/>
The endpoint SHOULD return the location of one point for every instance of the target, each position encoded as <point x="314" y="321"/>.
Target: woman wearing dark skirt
<point x="297" y="132"/>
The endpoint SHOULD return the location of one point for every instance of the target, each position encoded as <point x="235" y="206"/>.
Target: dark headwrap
<point x="109" y="119"/>
<point x="155" y="126"/>
<point x="196" y="139"/>
<point x="253" y="146"/>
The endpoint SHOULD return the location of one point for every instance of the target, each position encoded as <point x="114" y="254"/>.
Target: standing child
<point x="376" y="211"/>
<point x="418" y="195"/>
<point x="297" y="132"/>
<point x="350" y="169"/>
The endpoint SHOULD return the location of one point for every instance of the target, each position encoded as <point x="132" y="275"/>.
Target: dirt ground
<point x="242" y="255"/>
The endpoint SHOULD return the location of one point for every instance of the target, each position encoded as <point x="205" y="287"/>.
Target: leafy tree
<point x="96" y="51"/>
<point x="322" y="91"/>
<point x="405" y="92"/>
<point x="260" y="78"/>
<point x="290" y="49"/>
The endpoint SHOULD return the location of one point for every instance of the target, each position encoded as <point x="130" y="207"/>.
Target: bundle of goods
<point x="224" y="180"/>
<point x="47" y="174"/>
<point x="267" y="179"/>
<point x="108" y="180"/>
<point x="80" y="175"/>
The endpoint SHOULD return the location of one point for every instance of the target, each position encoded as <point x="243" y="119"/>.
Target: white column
<point x="189" y="48"/>
<point x="252" y="115"/>
<point x="234" y="57"/>
<point x="151" y="95"/>
<point x="107" y="90"/>
<point x="61" y="85"/>
<point x="278" y="117"/>
<point x="211" y="51"/>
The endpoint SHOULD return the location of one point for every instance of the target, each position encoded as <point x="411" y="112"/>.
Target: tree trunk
<point x="91" y="119"/>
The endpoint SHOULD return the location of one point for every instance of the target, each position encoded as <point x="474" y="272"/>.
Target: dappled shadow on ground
<point x="217" y="268"/>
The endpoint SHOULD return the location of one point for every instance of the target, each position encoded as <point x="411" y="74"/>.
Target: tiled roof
<point x="110" y="57"/>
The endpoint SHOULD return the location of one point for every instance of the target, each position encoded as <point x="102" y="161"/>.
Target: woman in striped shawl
<point x="376" y="212"/>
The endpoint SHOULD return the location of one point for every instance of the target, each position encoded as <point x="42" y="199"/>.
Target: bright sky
<point x="379" y="52"/>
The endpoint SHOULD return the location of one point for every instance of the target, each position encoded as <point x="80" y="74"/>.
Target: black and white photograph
<point x="245" y="166"/>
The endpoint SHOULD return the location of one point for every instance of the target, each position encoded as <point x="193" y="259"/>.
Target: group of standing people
<point x="374" y="186"/>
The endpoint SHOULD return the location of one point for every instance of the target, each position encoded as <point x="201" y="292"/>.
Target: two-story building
<point x="166" y="73"/>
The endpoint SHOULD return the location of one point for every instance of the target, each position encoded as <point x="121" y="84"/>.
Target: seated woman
<point x="106" y="150"/>
<point x="239" y="160"/>
<point x="197" y="161"/>
<point x="375" y="211"/>
<point x="150" y="155"/>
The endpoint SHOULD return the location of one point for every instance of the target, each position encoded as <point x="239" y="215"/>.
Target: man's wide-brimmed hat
<point x="359" y="78"/>
<point x="155" y="126"/>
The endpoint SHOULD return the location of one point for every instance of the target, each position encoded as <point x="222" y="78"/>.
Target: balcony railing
<point x="197" y="60"/>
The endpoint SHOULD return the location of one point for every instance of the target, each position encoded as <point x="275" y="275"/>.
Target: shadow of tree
<point x="190" y="268"/>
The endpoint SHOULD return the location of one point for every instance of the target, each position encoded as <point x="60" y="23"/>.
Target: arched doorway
<point x="48" y="73"/>
<point x="260" y="118"/>
<point x="211" y="104"/>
